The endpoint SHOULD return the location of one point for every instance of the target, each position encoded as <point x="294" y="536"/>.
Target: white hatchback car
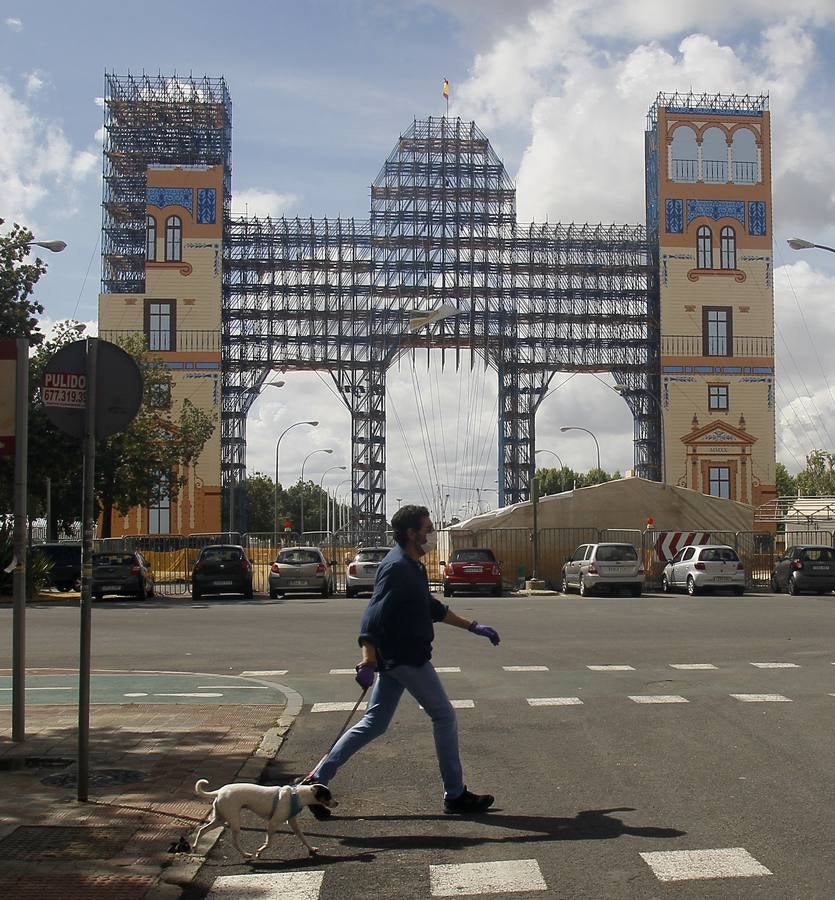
<point x="593" y="566"/>
<point x="712" y="566"/>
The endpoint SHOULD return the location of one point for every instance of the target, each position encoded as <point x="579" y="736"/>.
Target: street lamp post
<point x="321" y="482"/>
<point x="622" y="390"/>
<point x="580" y="428"/>
<point x="556" y="457"/>
<point x="275" y="486"/>
<point x="801" y="244"/>
<point x="336" y="521"/>
<point x="301" y="483"/>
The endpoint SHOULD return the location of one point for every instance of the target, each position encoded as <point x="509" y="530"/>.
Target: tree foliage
<point x="18" y="312"/>
<point x="818" y="478"/>
<point x="261" y="497"/>
<point x="555" y="481"/>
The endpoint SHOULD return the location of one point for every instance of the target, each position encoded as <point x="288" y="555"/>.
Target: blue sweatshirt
<point x="399" y="618"/>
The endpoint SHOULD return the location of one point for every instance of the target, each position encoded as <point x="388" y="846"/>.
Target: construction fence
<point x="172" y="557"/>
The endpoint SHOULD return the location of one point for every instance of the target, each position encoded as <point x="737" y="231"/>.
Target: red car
<point x="473" y="569"/>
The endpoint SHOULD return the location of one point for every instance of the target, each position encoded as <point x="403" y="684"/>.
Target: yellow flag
<point x="446" y="89"/>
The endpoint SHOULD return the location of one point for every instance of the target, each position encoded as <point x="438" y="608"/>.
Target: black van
<point x="66" y="564"/>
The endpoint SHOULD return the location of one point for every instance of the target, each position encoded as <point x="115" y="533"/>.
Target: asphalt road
<point x="588" y="775"/>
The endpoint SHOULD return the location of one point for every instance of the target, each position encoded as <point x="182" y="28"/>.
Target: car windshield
<point x="298" y="557"/>
<point x="220" y="554"/>
<point x="113" y="559"/>
<point x="817" y="554"/>
<point x="371" y="555"/>
<point x="719" y="554"/>
<point x="472" y="556"/>
<point x="616" y="553"/>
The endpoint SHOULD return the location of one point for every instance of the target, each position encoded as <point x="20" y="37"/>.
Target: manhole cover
<point x="98" y="777"/>
<point x="64" y="842"/>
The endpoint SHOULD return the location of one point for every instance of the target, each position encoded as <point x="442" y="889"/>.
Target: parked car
<point x="613" y="566"/>
<point x="708" y="567"/>
<point x="66" y="564"/>
<point x="126" y="574"/>
<point x="362" y="569"/>
<point x="472" y="568"/>
<point x="222" y="569"/>
<point x="301" y="569"/>
<point x="807" y="567"/>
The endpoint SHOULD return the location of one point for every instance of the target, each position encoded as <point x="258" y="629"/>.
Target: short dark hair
<point x="405" y="518"/>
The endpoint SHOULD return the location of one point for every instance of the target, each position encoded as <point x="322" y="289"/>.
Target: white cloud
<point x="34" y="82"/>
<point x="14" y="23"/>
<point x="254" y="202"/>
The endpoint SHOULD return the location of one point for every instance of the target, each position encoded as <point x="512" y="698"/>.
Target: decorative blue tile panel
<point x="206" y="206"/>
<point x="674" y="216"/>
<point x="756" y="217"/>
<point x="716" y="209"/>
<point x="167" y="196"/>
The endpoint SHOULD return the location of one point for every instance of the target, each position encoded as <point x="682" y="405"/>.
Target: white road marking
<point x="526" y="668"/>
<point x="776" y="665"/>
<point x="554" y="701"/>
<point x="192" y="694"/>
<point x="459" y="704"/>
<point x="761" y="698"/>
<point x="266" y="673"/>
<point x="40" y="689"/>
<point x="694" y="666"/>
<point x="232" y="687"/>
<point x="342" y="672"/>
<point x="611" y="668"/>
<point x="468" y="879"/>
<point x="446" y="670"/>
<point x="684" y="865"/>
<point x="658" y="698"/>
<point x="137" y="694"/>
<point x="268" y="886"/>
<point x="337" y="707"/>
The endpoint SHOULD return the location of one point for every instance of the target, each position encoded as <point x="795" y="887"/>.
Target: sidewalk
<point x="144" y="762"/>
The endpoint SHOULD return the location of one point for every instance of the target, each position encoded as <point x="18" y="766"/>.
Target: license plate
<point x="223" y="583"/>
<point x="821" y="568"/>
<point x="298" y="583"/>
<point x="472" y="569"/>
<point x="370" y="570"/>
<point x="721" y="578"/>
<point x="112" y="587"/>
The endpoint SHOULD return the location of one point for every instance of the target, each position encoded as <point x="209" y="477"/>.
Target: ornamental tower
<point x="708" y="176"/>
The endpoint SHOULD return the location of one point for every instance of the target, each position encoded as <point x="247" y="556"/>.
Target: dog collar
<point x="295" y="806"/>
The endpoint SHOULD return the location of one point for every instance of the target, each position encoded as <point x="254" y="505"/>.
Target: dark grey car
<point x="66" y="564"/>
<point x="222" y="569"/>
<point x="125" y="574"/>
<point x="807" y="567"/>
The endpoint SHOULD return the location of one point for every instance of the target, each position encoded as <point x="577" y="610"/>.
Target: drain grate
<point x="64" y="842"/>
<point x="98" y="777"/>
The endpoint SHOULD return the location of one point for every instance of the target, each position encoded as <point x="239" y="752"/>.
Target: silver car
<point x="613" y="566"/>
<point x="301" y="569"/>
<point x="362" y="569"/>
<point x="698" y="568"/>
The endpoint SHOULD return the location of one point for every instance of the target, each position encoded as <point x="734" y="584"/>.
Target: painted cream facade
<point x="716" y="299"/>
<point x="179" y="315"/>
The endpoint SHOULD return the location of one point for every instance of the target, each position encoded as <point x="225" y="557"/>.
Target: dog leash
<point x="341" y="732"/>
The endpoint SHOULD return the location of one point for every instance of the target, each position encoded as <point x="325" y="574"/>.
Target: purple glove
<point x="365" y="675"/>
<point x="485" y="631"/>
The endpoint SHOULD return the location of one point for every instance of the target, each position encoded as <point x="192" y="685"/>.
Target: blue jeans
<point x="423" y="684"/>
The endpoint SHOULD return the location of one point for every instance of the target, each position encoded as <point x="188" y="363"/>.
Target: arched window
<point x="174" y="238"/>
<point x="150" y="238"/>
<point x="684" y="155"/>
<point x="727" y="243"/>
<point x="704" y="248"/>
<point x="745" y="157"/>
<point x="714" y="156"/>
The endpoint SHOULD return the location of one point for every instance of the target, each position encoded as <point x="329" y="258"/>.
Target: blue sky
<point x="321" y="91"/>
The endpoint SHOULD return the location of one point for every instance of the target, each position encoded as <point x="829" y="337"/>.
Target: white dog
<point x="275" y="804"/>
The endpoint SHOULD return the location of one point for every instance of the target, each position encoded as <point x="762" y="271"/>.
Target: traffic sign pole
<point x="19" y="552"/>
<point x="88" y="526"/>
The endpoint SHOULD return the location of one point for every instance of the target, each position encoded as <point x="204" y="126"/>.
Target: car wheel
<point x="447" y="589"/>
<point x="775" y="588"/>
<point x="151" y="592"/>
<point x="739" y="591"/>
<point x="142" y="593"/>
<point x="791" y="587"/>
<point x="98" y="596"/>
<point x="497" y="590"/>
<point x="196" y="594"/>
<point x="564" y="584"/>
<point x="273" y="594"/>
<point x="665" y="585"/>
<point x="248" y="595"/>
<point x="692" y="589"/>
<point x="349" y="592"/>
<point x="585" y="591"/>
<point x="635" y="590"/>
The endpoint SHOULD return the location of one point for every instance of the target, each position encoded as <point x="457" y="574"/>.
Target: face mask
<point x="430" y="542"/>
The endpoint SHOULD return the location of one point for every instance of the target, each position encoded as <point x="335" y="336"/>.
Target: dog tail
<point x="200" y="788"/>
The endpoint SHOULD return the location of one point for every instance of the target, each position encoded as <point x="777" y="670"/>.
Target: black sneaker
<point x="469" y="804"/>
<point x="319" y="812"/>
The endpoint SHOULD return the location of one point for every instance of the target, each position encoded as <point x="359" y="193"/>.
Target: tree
<point x="260" y="499"/>
<point x="554" y="481"/>
<point x="786" y="483"/>
<point x="818" y="478"/>
<point x="18" y="313"/>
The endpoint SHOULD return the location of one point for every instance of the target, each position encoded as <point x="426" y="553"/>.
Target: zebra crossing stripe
<point x="268" y="886"/>
<point x="658" y="698"/>
<point x="693" y="666"/>
<point x="554" y="701"/>
<point x="761" y="698"/>
<point x="687" y="865"/>
<point x="611" y="668"/>
<point x="468" y="879"/>
<point x="337" y="707"/>
<point x="526" y="668"/>
<point x="446" y="670"/>
<point x="459" y="704"/>
<point x="775" y="665"/>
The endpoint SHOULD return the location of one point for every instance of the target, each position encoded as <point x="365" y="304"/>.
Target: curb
<point x="178" y="876"/>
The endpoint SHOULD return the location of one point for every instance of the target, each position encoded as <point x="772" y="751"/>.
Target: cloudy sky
<point x="322" y="89"/>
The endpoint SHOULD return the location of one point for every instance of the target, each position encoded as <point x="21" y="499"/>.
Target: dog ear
<point x="321" y="793"/>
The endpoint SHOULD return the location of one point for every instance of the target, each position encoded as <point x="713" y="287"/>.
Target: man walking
<point x="396" y="635"/>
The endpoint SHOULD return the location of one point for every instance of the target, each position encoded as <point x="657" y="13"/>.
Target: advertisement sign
<point x="8" y="379"/>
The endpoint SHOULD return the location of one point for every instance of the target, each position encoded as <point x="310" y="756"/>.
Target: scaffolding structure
<point x="338" y="295"/>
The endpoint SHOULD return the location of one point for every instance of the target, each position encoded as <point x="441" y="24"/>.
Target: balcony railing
<point x="695" y="345"/>
<point x="169" y="342"/>
<point x="685" y="170"/>
<point x="714" y="171"/>
<point x="745" y="172"/>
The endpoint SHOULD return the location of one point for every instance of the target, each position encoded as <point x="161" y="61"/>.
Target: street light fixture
<point x="54" y="246"/>
<point x="275" y="486"/>
<point x="321" y="482"/>
<point x="556" y="457"/>
<point x="801" y="244"/>
<point x="336" y="500"/>
<point x="622" y="389"/>
<point x="580" y="428"/>
<point x="301" y="483"/>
